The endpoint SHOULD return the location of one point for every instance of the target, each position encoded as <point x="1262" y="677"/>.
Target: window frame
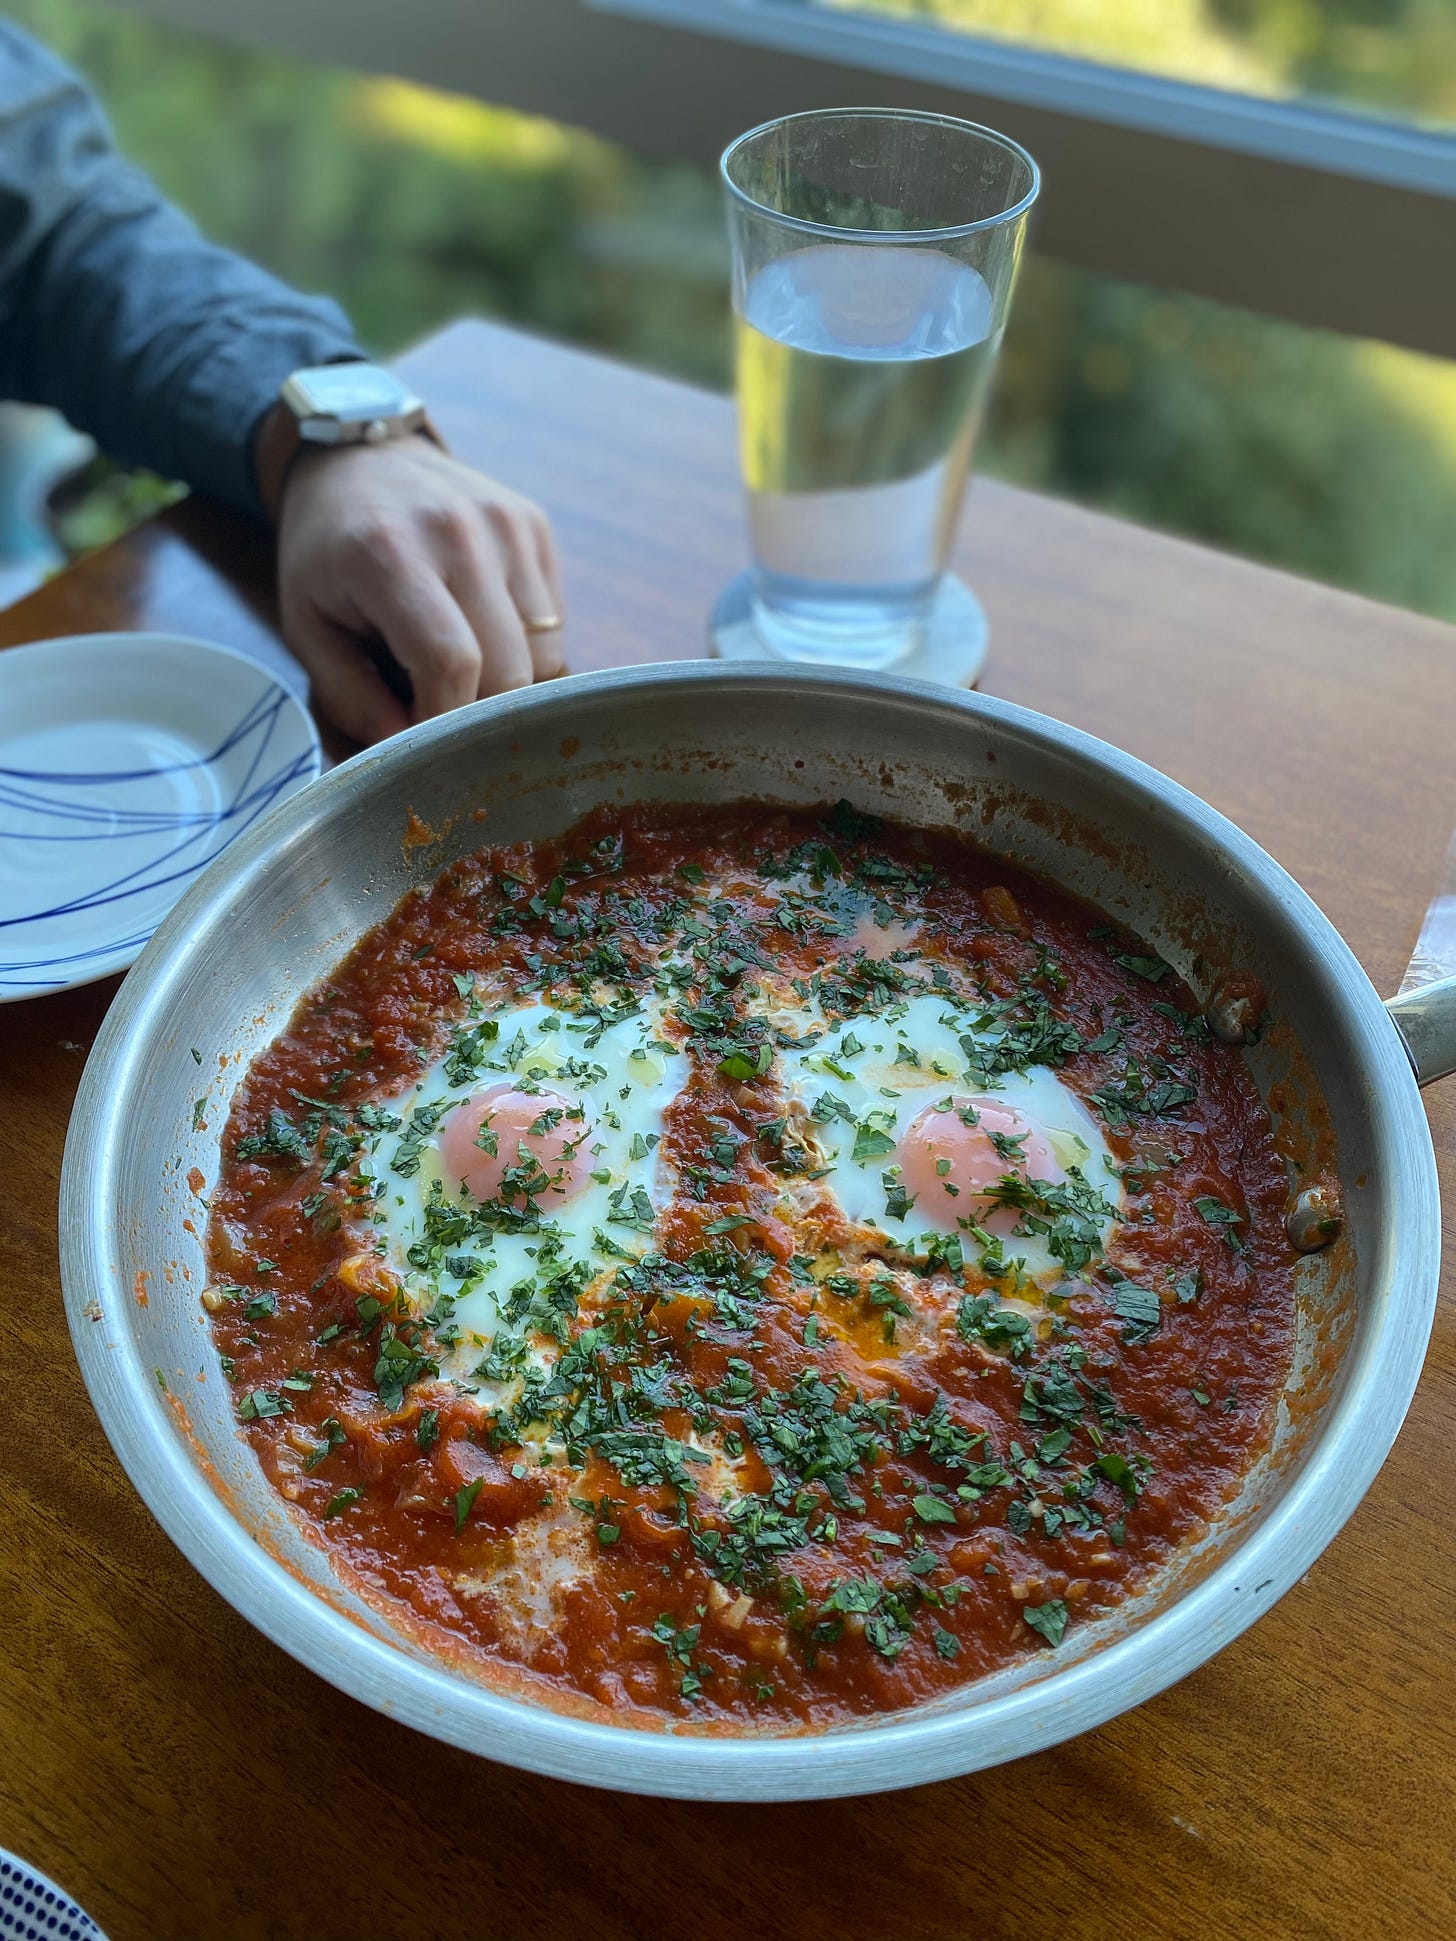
<point x="1271" y="205"/>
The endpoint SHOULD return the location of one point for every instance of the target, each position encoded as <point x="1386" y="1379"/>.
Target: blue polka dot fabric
<point x="33" y="1908"/>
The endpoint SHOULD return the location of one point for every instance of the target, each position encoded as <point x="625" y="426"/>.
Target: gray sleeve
<point x="166" y="349"/>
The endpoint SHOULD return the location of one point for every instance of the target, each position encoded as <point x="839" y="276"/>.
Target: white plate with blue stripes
<point x="128" y="762"/>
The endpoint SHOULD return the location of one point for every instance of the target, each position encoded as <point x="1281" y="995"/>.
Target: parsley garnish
<point x="1159" y="1093"/>
<point x="1003" y="1330"/>
<point x="1117" y="1469"/>
<point x="742" y="1066"/>
<point x="332" y="1431"/>
<point x="1049" y="1619"/>
<point x="1139" y="1308"/>
<point x="1152" y="969"/>
<point x="1216" y="1214"/>
<point x="930" y="1509"/>
<point x="874" y="1137"/>
<point x="260" y="1403"/>
<point x="279" y="1139"/>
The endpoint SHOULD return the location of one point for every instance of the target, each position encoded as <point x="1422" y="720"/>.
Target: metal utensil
<point x="284" y="904"/>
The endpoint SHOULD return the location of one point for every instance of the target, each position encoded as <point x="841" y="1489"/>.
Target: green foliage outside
<point x="1329" y="456"/>
<point x="1389" y="56"/>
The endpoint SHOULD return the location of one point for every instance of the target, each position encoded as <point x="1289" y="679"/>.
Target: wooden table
<point x="186" y="1779"/>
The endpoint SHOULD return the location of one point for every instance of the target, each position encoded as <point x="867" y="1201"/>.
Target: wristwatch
<point x="333" y="404"/>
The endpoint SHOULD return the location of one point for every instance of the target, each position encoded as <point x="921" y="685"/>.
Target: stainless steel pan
<point x="280" y="908"/>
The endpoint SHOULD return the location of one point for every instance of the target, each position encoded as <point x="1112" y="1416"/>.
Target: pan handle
<point x="1426" y="1021"/>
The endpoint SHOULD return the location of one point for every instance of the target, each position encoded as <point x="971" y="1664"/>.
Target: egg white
<point x="884" y="1069"/>
<point x="625" y="1075"/>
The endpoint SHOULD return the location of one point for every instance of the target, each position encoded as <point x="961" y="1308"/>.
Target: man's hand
<point x="401" y="547"/>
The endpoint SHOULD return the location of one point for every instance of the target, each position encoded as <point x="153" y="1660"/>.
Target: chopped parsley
<point x="683" y="1352"/>
<point x="260" y="1403"/>
<point x="1049" y="1619"/>
<point x="279" y="1139"/>
<point x="1138" y="1308"/>
<point x="1215" y="1214"/>
<point x="930" y="1509"/>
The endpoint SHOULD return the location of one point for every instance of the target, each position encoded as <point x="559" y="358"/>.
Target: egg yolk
<point x="881" y="940"/>
<point x="950" y="1162"/>
<point x="525" y="1132"/>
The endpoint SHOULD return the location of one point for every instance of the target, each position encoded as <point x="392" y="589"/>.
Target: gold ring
<point x="548" y="624"/>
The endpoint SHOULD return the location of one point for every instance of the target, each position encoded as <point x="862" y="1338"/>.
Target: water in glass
<point x="861" y="371"/>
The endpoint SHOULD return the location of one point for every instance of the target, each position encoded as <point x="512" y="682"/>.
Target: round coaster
<point x="952" y="649"/>
<point x="127" y="763"/>
<point x="33" y="1908"/>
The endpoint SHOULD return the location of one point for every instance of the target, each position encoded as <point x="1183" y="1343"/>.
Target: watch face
<point x="348" y="391"/>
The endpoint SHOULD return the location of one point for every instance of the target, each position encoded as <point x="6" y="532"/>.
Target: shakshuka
<point x="750" y="1268"/>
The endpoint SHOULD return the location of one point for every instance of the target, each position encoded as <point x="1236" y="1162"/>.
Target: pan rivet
<point x="1236" y="1009"/>
<point x="1315" y="1218"/>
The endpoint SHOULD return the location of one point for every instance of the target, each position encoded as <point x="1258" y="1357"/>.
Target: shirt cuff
<point x="232" y="388"/>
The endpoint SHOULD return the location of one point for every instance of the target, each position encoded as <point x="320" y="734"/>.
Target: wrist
<point x="331" y="408"/>
<point x="276" y="445"/>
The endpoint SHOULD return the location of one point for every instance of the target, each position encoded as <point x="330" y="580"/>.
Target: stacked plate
<point x="127" y="763"/>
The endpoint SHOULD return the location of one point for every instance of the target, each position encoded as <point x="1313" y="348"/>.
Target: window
<point x="1394" y="57"/>
<point x="1300" y="209"/>
<point x="1330" y="454"/>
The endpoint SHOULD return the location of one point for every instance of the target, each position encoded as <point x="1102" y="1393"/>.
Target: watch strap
<point x="280" y="439"/>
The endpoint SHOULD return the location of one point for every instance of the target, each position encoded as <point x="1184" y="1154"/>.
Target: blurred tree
<point x="1176" y="37"/>
<point x="1398" y="56"/>
<point x="1329" y="456"/>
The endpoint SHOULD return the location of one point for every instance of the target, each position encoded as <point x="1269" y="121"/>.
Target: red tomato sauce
<point x="930" y="1477"/>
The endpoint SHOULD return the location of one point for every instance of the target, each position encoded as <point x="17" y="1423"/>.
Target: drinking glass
<point x="874" y="253"/>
